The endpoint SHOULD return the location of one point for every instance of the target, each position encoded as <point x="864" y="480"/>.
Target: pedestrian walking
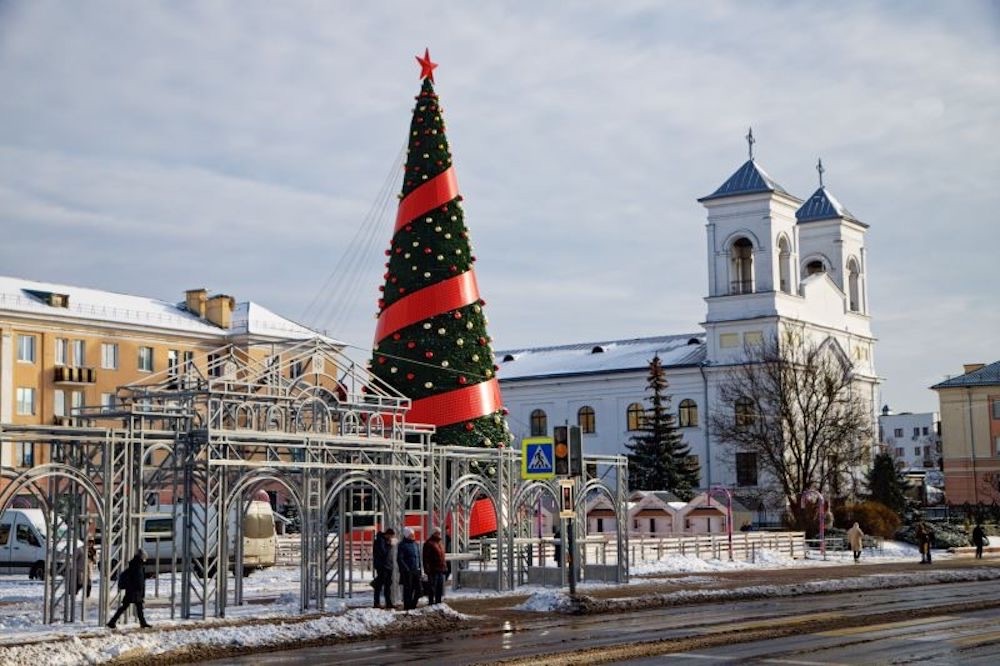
<point x="925" y="538"/>
<point x="408" y="561"/>
<point x="435" y="566"/>
<point x="856" y="538"/>
<point x="84" y="570"/>
<point x="979" y="540"/>
<point x="383" y="564"/>
<point x="134" y="584"/>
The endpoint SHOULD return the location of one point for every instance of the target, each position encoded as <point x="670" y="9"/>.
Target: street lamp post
<point x="815" y="494"/>
<point x="729" y="514"/>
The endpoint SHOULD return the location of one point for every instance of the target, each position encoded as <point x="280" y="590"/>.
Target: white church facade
<point x="775" y="262"/>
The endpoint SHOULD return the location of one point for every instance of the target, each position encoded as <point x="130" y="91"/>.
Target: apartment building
<point x="970" y="434"/>
<point x="65" y="347"/>
<point x="913" y="439"/>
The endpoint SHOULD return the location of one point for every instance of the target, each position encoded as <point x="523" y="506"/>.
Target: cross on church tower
<point x="820" y="170"/>
<point x="750" y="142"/>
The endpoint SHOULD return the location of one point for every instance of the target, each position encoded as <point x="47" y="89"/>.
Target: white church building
<point x="774" y="262"/>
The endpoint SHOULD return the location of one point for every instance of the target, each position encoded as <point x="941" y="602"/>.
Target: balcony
<point x="65" y="374"/>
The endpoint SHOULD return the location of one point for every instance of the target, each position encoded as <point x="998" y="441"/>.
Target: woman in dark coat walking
<point x="134" y="584"/>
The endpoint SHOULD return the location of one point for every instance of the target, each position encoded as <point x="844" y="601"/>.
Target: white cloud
<point x="246" y="142"/>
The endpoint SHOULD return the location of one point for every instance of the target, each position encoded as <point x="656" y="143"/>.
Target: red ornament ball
<point x="428" y="354"/>
<point x="469" y="426"/>
<point x="462" y="380"/>
<point x="411" y="344"/>
<point x="458" y="315"/>
<point x="396" y="336"/>
<point x="410" y="376"/>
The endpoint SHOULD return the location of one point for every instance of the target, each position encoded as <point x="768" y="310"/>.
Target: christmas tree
<point x="431" y="341"/>
<point x="658" y="458"/>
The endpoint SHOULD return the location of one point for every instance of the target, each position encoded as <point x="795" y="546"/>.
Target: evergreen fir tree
<point x="886" y="483"/>
<point x="431" y="342"/>
<point x="658" y="458"/>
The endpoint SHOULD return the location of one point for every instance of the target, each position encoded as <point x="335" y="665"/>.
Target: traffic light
<point x="575" y="452"/>
<point x="560" y="447"/>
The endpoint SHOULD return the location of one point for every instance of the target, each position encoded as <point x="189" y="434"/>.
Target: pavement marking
<point x="750" y="625"/>
<point x="977" y="639"/>
<point x="692" y="655"/>
<point x="803" y="663"/>
<point x="871" y="628"/>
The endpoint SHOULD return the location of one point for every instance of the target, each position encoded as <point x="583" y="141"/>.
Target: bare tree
<point x="796" y="404"/>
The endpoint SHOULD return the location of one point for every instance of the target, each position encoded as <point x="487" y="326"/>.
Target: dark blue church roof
<point x="824" y="206"/>
<point x="748" y="179"/>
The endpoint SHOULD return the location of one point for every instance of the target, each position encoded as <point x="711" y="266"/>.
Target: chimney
<point x="194" y="299"/>
<point x="220" y="310"/>
<point x="972" y="367"/>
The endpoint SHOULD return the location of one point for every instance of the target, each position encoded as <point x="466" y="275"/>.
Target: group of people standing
<point x="413" y="564"/>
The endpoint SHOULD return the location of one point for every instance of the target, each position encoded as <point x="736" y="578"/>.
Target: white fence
<point x="746" y="546"/>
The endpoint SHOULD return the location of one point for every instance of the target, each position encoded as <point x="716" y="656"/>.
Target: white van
<point x="22" y="542"/>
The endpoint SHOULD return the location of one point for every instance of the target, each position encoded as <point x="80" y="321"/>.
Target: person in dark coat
<point x="408" y="561"/>
<point x="135" y="589"/>
<point x="925" y="537"/>
<point x="978" y="540"/>
<point x="435" y="565"/>
<point x="383" y="565"/>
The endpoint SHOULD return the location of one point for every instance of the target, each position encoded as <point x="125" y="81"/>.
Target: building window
<point x="586" y="419"/>
<point x="76" y="401"/>
<point x="741" y="267"/>
<point x="600" y="524"/>
<point x="744" y="413"/>
<point x="539" y="423"/>
<point x="109" y="356"/>
<point x="729" y="340"/>
<point x="753" y="338"/>
<point x="25" y="401"/>
<point x="997" y="445"/>
<point x="996" y="410"/>
<point x="925" y="431"/>
<point x="61" y="351"/>
<point x="79" y="353"/>
<point x="635" y="416"/>
<point x="814" y="267"/>
<point x="59" y="403"/>
<point x="853" y="286"/>
<point x="746" y="469"/>
<point x="784" y="266"/>
<point x="916" y="433"/>
<point x="146" y="359"/>
<point x="26" y="348"/>
<point x="107" y="402"/>
<point x="687" y="413"/>
<point x="897" y="432"/>
<point x="916" y="450"/>
<point x="899" y="451"/>
<point x="24" y="455"/>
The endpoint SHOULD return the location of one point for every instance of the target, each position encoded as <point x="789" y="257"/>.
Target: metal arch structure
<point x="211" y="431"/>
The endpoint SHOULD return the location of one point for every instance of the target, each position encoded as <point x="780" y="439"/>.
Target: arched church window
<point x="586" y="419"/>
<point x="853" y="286"/>
<point x="635" y="415"/>
<point x="687" y="413"/>
<point x="784" y="266"/>
<point x="539" y="423"/>
<point x="815" y="266"/>
<point x="741" y="260"/>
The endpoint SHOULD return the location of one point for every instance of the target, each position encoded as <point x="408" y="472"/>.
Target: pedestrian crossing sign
<point x="537" y="458"/>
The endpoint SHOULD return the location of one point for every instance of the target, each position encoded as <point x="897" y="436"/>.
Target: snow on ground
<point x="273" y="595"/>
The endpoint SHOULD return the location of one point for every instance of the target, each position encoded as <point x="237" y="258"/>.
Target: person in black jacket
<point x="134" y="584"/>
<point x="978" y="540"/>
<point x="383" y="565"/>
<point x="408" y="560"/>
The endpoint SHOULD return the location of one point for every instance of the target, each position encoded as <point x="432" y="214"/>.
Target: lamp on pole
<point x="729" y="514"/>
<point x="815" y="494"/>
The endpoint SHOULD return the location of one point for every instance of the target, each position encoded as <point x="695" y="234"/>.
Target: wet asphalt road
<point x="916" y="633"/>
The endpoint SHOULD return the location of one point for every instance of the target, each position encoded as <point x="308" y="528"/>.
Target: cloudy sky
<point x="252" y="148"/>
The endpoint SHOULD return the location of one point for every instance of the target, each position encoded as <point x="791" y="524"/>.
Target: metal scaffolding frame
<point x="211" y="432"/>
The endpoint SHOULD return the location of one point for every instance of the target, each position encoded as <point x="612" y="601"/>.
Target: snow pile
<point x="547" y="600"/>
<point x="100" y="648"/>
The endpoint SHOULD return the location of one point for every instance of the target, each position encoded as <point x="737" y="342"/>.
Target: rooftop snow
<point x="27" y="296"/>
<point x="614" y="356"/>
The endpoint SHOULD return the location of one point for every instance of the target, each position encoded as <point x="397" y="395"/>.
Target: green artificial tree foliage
<point x="658" y="458"/>
<point x="450" y="350"/>
<point x="886" y="483"/>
